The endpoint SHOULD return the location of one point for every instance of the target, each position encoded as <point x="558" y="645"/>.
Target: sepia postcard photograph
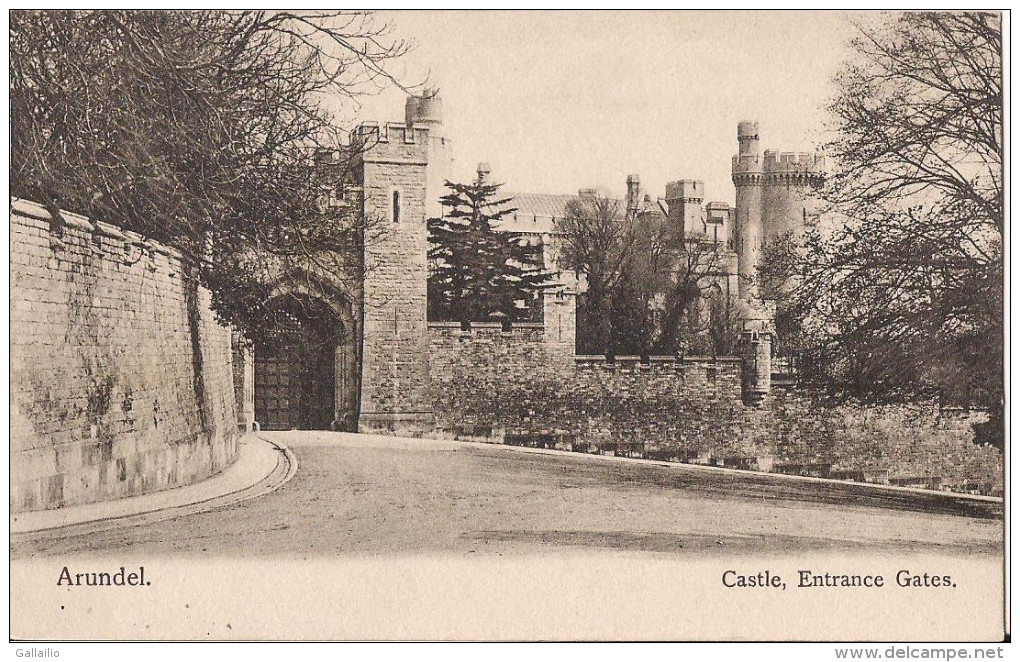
<point x="509" y="326"/>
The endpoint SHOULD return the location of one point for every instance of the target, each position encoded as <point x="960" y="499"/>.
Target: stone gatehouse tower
<point x="355" y="350"/>
<point x="393" y="170"/>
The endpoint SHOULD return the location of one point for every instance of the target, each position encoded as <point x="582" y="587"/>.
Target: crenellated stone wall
<point x="508" y="387"/>
<point x="506" y="384"/>
<point x="120" y="377"/>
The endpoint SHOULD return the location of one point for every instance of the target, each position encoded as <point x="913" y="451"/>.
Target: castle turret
<point x="773" y="201"/>
<point x="756" y="338"/>
<point x="684" y="198"/>
<point x="426" y="111"/>
<point x="747" y="139"/>
<point x="748" y="231"/>
<point x="787" y="182"/>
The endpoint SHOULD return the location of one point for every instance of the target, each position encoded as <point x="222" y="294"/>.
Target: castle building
<point x="358" y="354"/>
<point x="681" y="211"/>
<point x="370" y="362"/>
<point x="773" y="200"/>
<point x="146" y="394"/>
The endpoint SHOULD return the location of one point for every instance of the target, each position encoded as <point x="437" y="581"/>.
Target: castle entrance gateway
<point x="301" y="368"/>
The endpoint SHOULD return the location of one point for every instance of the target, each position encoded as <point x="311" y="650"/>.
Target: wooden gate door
<point x="294" y="379"/>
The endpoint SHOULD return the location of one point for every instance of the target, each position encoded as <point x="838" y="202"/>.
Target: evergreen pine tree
<point x="479" y="273"/>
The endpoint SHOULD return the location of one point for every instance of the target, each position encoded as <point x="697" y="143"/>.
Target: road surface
<point x="365" y="495"/>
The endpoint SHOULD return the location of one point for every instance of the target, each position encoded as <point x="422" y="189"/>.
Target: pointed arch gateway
<point x="305" y="360"/>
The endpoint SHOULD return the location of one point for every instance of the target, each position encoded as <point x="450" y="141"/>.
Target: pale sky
<point x="556" y="101"/>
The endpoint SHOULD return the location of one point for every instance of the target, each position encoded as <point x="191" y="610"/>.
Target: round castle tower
<point x="773" y="198"/>
<point x="786" y="186"/>
<point x="772" y="201"/>
<point x="427" y="110"/>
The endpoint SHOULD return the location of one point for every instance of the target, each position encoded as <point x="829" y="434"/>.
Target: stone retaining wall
<point x="120" y="377"/>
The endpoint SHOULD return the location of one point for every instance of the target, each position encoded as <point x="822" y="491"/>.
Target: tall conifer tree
<point x="478" y="272"/>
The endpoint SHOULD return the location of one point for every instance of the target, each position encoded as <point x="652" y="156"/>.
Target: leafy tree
<point x="695" y="318"/>
<point x="631" y="322"/>
<point x="636" y="266"/>
<point x="202" y="129"/>
<point x="597" y="241"/>
<point x="900" y="290"/>
<point x="478" y="272"/>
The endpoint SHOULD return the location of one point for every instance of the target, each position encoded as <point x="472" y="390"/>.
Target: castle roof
<point x="654" y="207"/>
<point x="538" y="212"/>
<point x="545" y="205"/>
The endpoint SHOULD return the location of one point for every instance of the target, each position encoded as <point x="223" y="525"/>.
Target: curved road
<point x="357" y="494"/>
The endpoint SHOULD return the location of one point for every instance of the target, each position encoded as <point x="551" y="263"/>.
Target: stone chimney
<point x="633" y="191"/>
<point x="484" y="171"/>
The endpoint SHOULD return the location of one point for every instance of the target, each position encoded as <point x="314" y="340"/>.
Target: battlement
<point x="794" y="162"/>
<point x="685" y="189"/>
<point x="395" y="132"/>
<point x="747" y="163"/>
<point x="392" y="132"/>
<point x="747" y="129"/>
<point x="392" y="140"/>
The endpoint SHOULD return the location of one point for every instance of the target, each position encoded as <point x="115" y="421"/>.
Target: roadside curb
<point x="262" y="467"/>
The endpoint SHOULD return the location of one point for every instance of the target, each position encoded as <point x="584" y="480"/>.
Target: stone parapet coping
<point x="598" y="358"/>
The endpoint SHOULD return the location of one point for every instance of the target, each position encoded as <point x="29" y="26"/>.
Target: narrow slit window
<point x="396" y="206"/>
